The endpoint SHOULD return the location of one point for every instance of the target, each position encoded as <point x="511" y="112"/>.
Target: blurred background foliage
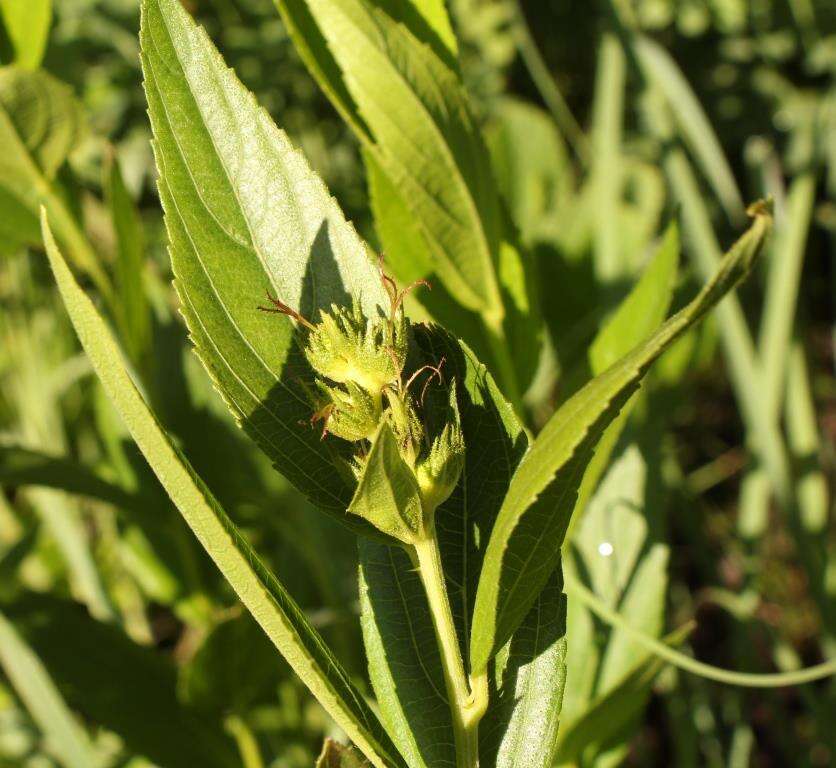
<point x="597" y="138"/>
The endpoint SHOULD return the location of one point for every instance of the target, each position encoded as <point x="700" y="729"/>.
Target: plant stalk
<point x="466" y="707"/>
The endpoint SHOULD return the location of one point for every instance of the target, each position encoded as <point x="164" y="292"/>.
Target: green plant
<point x="477" y="409"/>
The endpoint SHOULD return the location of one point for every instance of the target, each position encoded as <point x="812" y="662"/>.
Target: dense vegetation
<point x="517" y="451"/>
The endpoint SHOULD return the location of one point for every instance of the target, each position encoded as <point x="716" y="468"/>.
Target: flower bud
<point x="345" y="347"/>
<point x="439" y="471"/>
<point x="350" y="413"/>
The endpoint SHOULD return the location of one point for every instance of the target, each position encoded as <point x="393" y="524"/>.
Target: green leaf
<point x="525" y="543"/>
<point x="21" y="467"/>
<point x="27" y="23"/>
<point x="40" y="124"/>
<point x="235" y="667"/>
<point x="692" y="122"/>
<point x="404" y="661"/>
<point x="530" y="163"/>
<point x="409" y="108"/>
<point x="119" y="684"/>
<point x="132" y="307"/>
<point x="245" y="214"/>
<point x="65" y="738"/>
<point x="258" y="589"/>
<point x="605" y="722"/>
<point x="520" y="728"/>
<point x="45" y="115"/>
<point x="387" y="493"/>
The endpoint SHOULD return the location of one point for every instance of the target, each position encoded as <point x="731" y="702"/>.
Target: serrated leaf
<point x="398" y="630"/>
<point x="408" y="107"/>
<point x="261" y="593"/>
<point x="118" y="685"/>
<point x="245" y="214"/>
<point x="27" y="24"/>
<point x="525" y="543"/>
<point x="404" y="661"/>
<point x="520" y="727"/>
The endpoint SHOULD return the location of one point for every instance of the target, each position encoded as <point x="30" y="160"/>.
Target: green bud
<point x="405" y="424"/>
<point x="439" y="471"/>
<point x="346" y="347"/>
<point x="350" y="413"/>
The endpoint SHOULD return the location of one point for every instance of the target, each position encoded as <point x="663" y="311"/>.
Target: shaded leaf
<point x="65" y="738"/>
<point x="521" y="726"/>
<point x="120" y="684"/>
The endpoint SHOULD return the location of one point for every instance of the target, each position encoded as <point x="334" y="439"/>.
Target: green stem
<point x="546" y="85"/>
<point x="578" y="591"/>
<point x="466" y="708"/>
<point x="246" y="741"/>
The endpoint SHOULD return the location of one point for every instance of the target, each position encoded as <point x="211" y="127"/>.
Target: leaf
<point x="409" y="108"/>
<point x="525" y="543"/>
<point x="692" y="122"/>
<point x="20" y="467"/>
<point x="27" y="24"/>
<point x="245" y="214"/>
<point x="336" y="755"/>
<point x="40" y="124"/>
<point x="641" y="313"/>
<point x="520" y="728"/>
<point x="603" y="721"/>
<point x="530" y="163"/>
<point x="387" y="493"/>
<point x="120" y="684"/>
<point x="65" y="738"/>
<point x="133" y="310"/>
<point x="235" y="667"/>
<point x="403" y="657"/>
<point x="264" y="597"/>
<point x="44" y="114"/>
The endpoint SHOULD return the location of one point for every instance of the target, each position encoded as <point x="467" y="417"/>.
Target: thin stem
<point x="246" y="741"/>
<point x="505" y="368"/>
<point x="546" y="85"/>
<point x="577" y="590"/>
<point x="466" y="709"/>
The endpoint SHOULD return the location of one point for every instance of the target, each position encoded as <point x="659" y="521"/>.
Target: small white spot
<point x="605" y="549"/>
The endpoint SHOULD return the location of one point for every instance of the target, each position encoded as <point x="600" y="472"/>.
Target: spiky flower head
<point x="346" y="347"/>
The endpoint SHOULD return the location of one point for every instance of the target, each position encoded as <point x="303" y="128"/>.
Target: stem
<point x="466" y="708"/>
<point x="246" y="741"/>
<point x="545" y="83"/>
<point x="577" y="590"/>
